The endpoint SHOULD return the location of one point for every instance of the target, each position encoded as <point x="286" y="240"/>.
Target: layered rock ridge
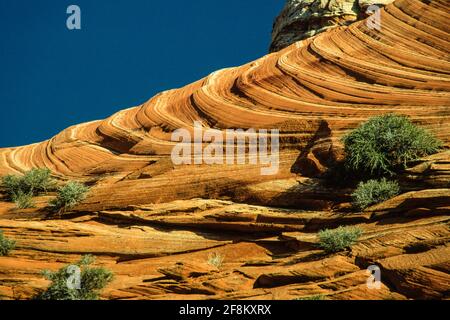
<point x="156" y="225"/>
<point x="313" y="91"/>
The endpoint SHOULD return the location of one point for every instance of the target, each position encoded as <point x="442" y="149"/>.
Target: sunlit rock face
<point x="301" y="19"/>
<point x="313" y="92"/>
<point x="143" y="218"/>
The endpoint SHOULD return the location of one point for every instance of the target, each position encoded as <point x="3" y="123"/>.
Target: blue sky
<point x="126" y="51"/>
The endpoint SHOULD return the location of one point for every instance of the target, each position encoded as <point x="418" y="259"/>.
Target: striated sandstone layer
<point x="313" y="92"/>
<point x="302" y="19"/>
<point x="162" y="251"/>
<point x="155" y="224"/>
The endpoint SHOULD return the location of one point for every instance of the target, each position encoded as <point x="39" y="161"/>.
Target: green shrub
<point x="6" y="245"/>
<point x="91" y="282"/>
<point x="387" y="143"/>
<point x="23" y="200"/>
<point x="216" y="260"/>
<point x="37" y="181"/>
<point x="12" y="184"/>
<point x="32" y="183"/>
<point x="69" y="196"/>
<point x="339" y="239"/>
<point x="373" y="192"/>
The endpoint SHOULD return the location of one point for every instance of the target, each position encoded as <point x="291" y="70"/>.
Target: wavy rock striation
<point x="163" y="251"/>
<point x="144" y="220"/>
<point x="313" y="92"/>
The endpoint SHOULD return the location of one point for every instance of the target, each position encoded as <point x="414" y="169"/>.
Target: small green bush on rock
<point x="31" y="183"/>
<point x="37" y="181"/>
<point x="387" y="143"/>
<point x="23" y="200"/>
<point x="12" y="184"/>
<point x="339" y="239"/>
<point x="69" y="196"/>
<point x="373" y="192"/>
<point x="216" y="260"/>
<point x="63" y="285"/>
<point x="6" y="245"/>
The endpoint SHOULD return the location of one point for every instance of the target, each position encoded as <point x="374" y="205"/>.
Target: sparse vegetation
<point x="91" y="282"/>
<point x="69" y="196"/>
<point x="12" y="185"/>
<point x="6" y="245"/>
<point x="387" y="143"/>
<point x="31" y="183"/>
<point x="37" y="181"/>
<point x="216" y="259"/>
<point x="22" y="189"/>
<point x="373" y="192"/>
<point x="339" y="239"/>
<point x="23" y="200"/>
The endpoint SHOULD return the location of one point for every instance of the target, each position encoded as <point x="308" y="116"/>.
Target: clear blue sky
<point x="126" y="51"/>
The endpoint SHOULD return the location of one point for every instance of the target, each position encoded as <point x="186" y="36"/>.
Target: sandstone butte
<point x="155" y="224"/>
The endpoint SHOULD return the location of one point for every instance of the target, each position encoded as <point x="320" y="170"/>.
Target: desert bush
<point x="37" y="181"/>
<point x="387" y="143"/>
<point x="91" y="282"/>
<point x="339" y="239"/>
<point x="23" y="200"/>
<point x="31" y="183"/>
<point x="373" y="192"/>
<point x="216" y="259"/>
<point x="6" y="245"/>
<point x="69" y="196"/>
<point x="12" y="185"/>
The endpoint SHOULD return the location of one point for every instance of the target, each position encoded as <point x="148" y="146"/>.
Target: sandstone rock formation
<point x="302" y="19"/>
<point x="155" y="224"/>
<point x="313" y="92"/>
<point x="162" y="251"/>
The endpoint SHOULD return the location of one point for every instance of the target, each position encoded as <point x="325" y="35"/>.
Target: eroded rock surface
<point x="302" y="19"/>
<point x="163" y="252"/>
<point x="313" y="92"/>
<point x="155" y="225"/>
